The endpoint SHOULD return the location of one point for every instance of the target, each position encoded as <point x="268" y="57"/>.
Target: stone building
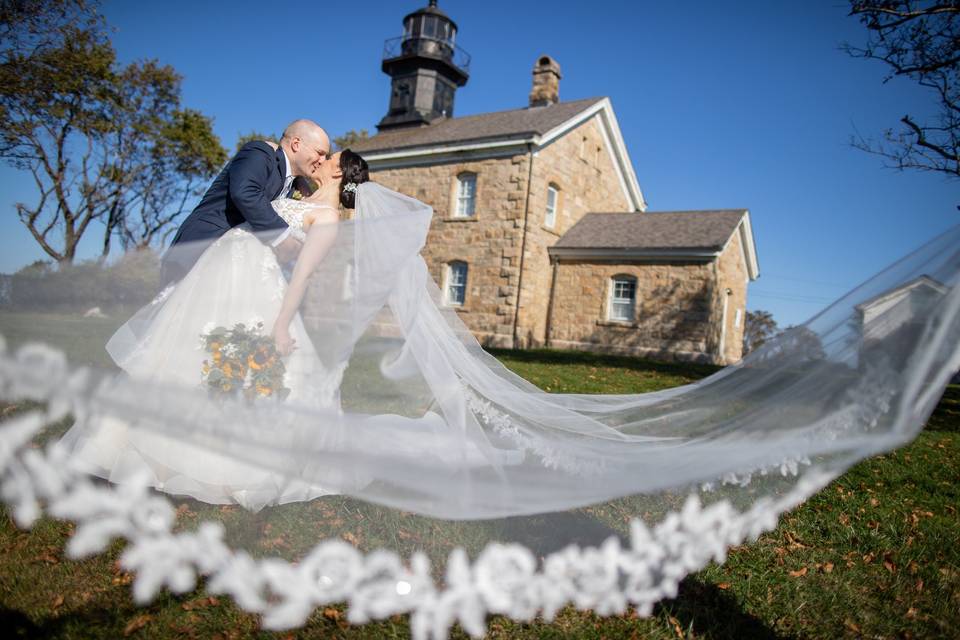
<point x="541" y="234"/>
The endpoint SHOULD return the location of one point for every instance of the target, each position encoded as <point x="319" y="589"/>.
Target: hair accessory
<point x="350" y="186"/>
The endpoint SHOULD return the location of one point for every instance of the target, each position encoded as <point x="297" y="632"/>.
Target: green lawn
<point x="875" y="554"/>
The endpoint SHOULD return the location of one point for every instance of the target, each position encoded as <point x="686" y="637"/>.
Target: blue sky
<point x="741" y="104"/>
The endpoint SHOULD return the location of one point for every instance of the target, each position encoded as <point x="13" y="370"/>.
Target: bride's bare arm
<point x="320" y="237"/>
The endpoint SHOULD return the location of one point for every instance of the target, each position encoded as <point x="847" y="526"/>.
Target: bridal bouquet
<point x="243" y="362"/>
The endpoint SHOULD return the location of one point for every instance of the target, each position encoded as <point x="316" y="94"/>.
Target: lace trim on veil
<point x="504" y="579"/>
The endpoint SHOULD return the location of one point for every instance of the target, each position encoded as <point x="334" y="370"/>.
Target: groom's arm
<point x="249" y="174"/>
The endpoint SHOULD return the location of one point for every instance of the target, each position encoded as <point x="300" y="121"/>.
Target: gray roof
<point x="653" y="230"/>
<point x="518" y="123"/>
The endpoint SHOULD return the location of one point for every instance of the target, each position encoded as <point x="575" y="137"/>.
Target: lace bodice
<point x="292" y="212"/>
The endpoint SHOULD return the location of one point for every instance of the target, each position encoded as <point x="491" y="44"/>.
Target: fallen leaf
<point x="911" y="613"/>
<point x="828" y="567"/>
<point x="794" y="542"/>
<point x="57" y="602"/>
<point x="331" y="614"/>
<point x="137" y="623"/>
<point x="723" y="585"/>
<point x="676" y="627"/>
<point x="200" y="603"/>
<point x="799" y="573"/>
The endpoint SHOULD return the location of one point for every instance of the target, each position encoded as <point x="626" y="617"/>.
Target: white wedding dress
<point x="237" y="279"/>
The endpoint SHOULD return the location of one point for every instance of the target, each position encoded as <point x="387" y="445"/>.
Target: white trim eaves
<point x="697" y="255"/>
<point x="747" y="247"/>
<point x="610" y="130"/>
<point x="746" y="241"/>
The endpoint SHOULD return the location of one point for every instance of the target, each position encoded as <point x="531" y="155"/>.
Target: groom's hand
<point x="288" y="250"/>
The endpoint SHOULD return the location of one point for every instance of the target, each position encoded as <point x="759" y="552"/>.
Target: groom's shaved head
<point x="304" y="129"/>
<point x="306" y="145"/>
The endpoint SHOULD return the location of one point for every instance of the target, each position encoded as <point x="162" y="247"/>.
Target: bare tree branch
<point x="921" y="41"/>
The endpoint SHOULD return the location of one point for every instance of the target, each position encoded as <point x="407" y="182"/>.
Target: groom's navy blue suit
<point x="241" y="193"/>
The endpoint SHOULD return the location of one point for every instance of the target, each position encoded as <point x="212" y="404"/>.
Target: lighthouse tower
<point x="426" y="67"/>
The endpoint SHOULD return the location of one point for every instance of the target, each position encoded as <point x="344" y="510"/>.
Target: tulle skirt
<point x="236" y="280"/>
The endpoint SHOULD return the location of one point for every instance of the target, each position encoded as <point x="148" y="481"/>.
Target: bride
<point x="237" y="280"/>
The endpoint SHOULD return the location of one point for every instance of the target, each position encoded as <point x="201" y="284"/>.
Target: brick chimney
<point x="546" y="82"/>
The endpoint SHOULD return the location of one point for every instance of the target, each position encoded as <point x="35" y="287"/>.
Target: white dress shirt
<point x="284" y="192"/>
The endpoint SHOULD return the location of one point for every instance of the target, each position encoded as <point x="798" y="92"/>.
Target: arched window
<point x="553" y="202"/>
<point x="623" y="298"/>
<point x="466" y="204"/>
<point x="455" y="289"/>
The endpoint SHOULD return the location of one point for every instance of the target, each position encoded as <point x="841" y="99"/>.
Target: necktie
<point x="287" y="183"/>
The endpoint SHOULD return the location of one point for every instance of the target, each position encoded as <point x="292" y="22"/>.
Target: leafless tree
<point x="919" y="40"/>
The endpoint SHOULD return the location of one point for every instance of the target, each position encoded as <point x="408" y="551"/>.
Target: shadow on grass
<point x="17" y="625"/>
<point x="946" y="415"/>
<point x="709" y="611"/>
<point x="557" y="357"/>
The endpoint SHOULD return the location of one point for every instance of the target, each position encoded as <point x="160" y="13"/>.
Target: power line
<point x="789" y="296"/>
<point x="820" y="282"/>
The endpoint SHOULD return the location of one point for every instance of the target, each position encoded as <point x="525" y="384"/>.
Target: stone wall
<point x="732" y="275"/>
<point x="587" y="182"/>
<point x="489" y="242"/>
<point x="673" y="311"/>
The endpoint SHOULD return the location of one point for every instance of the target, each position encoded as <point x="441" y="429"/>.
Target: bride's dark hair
<point x="355" y="170"/>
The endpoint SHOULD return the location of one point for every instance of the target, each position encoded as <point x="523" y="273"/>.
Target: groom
<point x="242" y="193"/>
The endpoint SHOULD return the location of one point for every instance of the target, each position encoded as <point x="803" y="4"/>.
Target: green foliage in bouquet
<point x="243" y="363"/>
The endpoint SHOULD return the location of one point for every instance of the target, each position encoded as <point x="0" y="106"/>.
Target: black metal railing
<point x="425" y="46"/>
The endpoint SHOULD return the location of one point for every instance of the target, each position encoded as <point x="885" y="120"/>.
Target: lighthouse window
<point x="430" y="27"/>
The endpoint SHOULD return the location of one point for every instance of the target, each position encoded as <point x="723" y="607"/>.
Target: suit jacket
<point x="241" y="193"/>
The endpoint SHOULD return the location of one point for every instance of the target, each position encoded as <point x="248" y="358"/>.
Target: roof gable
<point x="654" y="230"/>
<point x="502" y="134"/>
<point x="701" y="234"/>
<point x="499" y="125"/>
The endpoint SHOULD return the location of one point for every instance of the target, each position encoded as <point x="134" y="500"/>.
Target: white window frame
<point x="450" y="283"/>
<point x="614" y="302"/>
<point x="550" y="217"/>
<point x="465" y="204"/>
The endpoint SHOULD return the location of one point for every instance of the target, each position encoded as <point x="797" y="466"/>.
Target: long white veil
<point x="433" y="435"/>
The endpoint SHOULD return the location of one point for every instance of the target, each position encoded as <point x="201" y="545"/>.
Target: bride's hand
<point x="285" y="344"/>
